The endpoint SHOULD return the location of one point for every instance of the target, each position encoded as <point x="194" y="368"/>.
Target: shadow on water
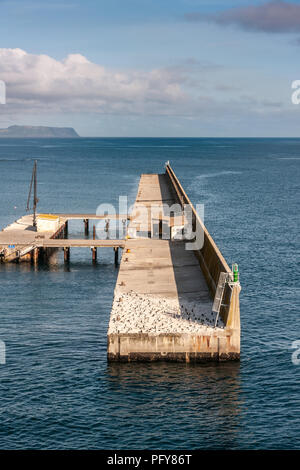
<point x="208" y="396"/>
<point x="223" y="375"/>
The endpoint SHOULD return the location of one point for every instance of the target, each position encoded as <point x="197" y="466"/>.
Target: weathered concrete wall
<point x="173" y="347"/>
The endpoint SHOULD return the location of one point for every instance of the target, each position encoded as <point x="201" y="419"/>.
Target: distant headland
<point x="38" y="132"/>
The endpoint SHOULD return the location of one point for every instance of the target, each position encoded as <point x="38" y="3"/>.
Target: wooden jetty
<point x="36" y="236"/>
<point x="170" y="303"/>
<point x="21" y="241"/>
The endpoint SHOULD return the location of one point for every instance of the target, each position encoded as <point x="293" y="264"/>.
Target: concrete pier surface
<point x="162" y="308"/>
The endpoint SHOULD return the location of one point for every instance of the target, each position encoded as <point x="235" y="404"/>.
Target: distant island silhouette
<point x="38" y="132"/>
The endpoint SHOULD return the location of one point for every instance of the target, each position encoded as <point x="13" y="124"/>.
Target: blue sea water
<point x="57" y="389"/>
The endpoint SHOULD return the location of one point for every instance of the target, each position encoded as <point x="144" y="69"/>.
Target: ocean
<point x="57" y="389"/>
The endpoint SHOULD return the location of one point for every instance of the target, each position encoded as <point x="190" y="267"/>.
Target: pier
<point x="170" y="303"/>
<point x="22" y="242"/>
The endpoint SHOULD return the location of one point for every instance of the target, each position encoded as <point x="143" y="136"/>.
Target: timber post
<point x="86" y="226"/>
<point x="94" y="254"/>
<point x="116" y="250"/>
<point x="66" y="254"/>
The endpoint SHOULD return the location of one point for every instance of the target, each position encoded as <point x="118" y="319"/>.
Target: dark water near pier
<point x="57" y="390"/>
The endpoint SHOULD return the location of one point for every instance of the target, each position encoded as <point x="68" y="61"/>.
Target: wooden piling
<point x="66" y="228"/>
<point x="35" y="256"/>
<point x="86" y="226"/>
<point x="160" y="228"/>
<point x="66" y="254"/>
<point x="94" y="232"/>
<point x="94" y="254"/>
<point x="116" y="250"/>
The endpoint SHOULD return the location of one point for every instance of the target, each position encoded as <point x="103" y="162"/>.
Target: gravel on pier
<point x="140" y="313"/>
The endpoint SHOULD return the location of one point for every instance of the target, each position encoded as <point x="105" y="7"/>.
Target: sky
<point x="147" y="68"/>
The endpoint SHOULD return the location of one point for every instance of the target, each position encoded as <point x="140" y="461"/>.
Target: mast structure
<point x="33" y="185"/>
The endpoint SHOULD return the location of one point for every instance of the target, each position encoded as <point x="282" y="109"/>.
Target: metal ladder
<point x="223" y="278"/>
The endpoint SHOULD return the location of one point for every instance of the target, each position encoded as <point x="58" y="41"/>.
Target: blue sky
<point x="151" y="67"/>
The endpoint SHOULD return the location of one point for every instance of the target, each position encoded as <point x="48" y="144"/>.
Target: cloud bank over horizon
<point x="189" y="98"/>
<point x="75" y="84"/>
<point x="178" y="67"/>
<point x="36" y="81"/>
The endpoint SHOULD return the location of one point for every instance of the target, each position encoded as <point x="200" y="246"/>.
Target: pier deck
<point x="19" y="241"/>
<point x="92" y="216"/>
<point x="162" y="307"/>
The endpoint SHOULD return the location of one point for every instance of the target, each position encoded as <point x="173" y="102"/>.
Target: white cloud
<point x="75" y="83"/>
<point x="39" y="86"/>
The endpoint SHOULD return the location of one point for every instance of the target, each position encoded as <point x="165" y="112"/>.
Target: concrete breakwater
<point x="163" y="301"/>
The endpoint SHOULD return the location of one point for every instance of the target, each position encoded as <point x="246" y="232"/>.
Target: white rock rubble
<point x="139" y="313"/>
